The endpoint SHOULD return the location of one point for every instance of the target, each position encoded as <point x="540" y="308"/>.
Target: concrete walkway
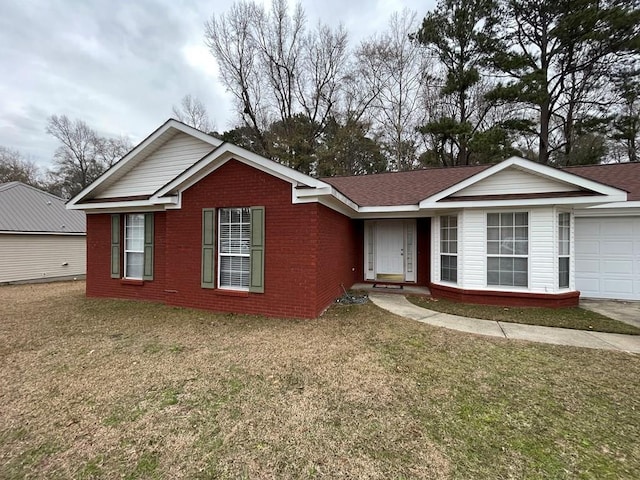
<point x="399" y="305"/>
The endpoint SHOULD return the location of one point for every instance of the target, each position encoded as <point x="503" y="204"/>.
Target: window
<point x="508" y="249"/>
<point x="449" y="249"/>
<point x="138" y="246"/>
<point x="134" y="246"/>
<point x="234" y="248"/>
<point x="564" y="232"/>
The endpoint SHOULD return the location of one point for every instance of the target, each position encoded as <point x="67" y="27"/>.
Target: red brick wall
<point x="337" y="256"/>
<point x="99" y="281"/>
<point x="290" y="245"/>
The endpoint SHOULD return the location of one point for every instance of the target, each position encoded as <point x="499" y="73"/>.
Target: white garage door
<point x="608" y="257"/>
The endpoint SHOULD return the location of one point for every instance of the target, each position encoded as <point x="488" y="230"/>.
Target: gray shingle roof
<point x="27" y="209"/>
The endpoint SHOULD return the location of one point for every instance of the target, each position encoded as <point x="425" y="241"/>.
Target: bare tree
<point x="394" y="68"/>
<point x="284" y="78"/>
<point x="15" y="168"/>
<point x="193" y="112"/>
<point x="230" y="39"/>
<point x="83" y="155"/>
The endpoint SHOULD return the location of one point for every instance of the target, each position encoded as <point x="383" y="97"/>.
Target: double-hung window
<point x="234" y="248"/>
<point x="134" y="246"/>
<point x="508" y="249"/>
<point x="564" y="233"/>
<point x="449" y="248"/>
<point x="138" y="246"/>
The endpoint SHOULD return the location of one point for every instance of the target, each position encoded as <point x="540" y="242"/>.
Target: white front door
<point x="390" y="250"/>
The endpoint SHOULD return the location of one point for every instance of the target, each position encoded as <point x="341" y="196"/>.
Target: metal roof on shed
<point x="26" y="209"/>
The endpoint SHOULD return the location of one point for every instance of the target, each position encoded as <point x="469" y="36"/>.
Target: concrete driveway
<point x="627" y="312"/>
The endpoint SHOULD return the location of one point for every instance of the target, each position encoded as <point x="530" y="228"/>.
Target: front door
<point x="390" y="250"/>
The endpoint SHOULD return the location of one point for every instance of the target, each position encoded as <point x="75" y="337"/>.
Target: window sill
<point x="131" y="281"/>
<point x="231" y="293"/>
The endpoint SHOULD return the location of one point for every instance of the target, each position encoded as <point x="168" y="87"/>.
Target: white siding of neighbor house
<point x="472" y="250"/>
<point x="36" y="257"/>
<point x="514" y="181"/>
<point x="160" y="167"/>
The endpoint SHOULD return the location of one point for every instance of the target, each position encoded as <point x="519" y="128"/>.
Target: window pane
<point x="520" y="279"/>
<point x="563" y="279"/>
<point x="493" y="248"/>
<point x="448" y="268"/>
<point x="493" y="278"/>
<point x="522" y="218"/>
<point x="521" y="248"/>
<point x="506" y="219"/>
<point x="134" y="264"/>
<point x="520" y="264"/>
<point x="493" y="219"/>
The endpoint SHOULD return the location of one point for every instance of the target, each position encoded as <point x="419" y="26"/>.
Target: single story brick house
<point x="189" y="220"/>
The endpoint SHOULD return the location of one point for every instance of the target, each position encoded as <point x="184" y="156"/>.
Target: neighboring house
<point x="189" y="220"/>
<point x="39" y="238"/>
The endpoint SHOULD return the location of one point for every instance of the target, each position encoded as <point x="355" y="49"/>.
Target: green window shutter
<point x="148" y="247"/>
<point x="115" y="246"/>
<point x="208" y="247"/>
<point x="256" y="280"/>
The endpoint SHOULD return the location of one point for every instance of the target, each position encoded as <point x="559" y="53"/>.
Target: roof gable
<point x="26" y="209"/>
<point x="151" y="163"/>
<point x="478" y="188"/>
<point x="514" y="180"/>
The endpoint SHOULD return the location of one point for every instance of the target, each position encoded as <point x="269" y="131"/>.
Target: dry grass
<point x="105" y="388"/>
<point x="570" y="317"/>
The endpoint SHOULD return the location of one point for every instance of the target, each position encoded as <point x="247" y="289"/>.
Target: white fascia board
<point x="618" y="209"/>
<point x="160" y="204"/>
<point x="584" y="201"/>
<point x="137" y="150"/>
<point x="535" y="168"/>
<point x="324" y="194"/>
<point x="393" y="215"/>
<point x="390" y="209"/>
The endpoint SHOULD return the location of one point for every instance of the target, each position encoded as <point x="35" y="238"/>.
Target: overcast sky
<point x="120" y="65"/>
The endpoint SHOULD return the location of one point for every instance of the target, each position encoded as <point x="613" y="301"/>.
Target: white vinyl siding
<point x="134" y="246"/>
<point x="472" y="251"/>
<point x="35" y="257"/>
<point x="156" y="170"/>
<point x="514" y="181"/>
<point x="234" y="248"/>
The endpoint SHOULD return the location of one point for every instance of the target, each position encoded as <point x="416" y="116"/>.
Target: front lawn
<point x="117" y="389"/>
<point x="575" y="317"/>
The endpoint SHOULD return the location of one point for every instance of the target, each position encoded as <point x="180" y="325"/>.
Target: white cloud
<point x="121" y="65"/>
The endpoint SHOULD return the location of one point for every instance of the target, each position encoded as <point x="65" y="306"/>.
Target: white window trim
<point x="220" y="254"/>
<point x="449" y="254"/>
<point x="498" y="255"/>
<point x="127" y="251"/>
<point x="567" y="255"/>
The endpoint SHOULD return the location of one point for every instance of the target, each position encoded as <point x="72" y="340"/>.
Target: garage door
<point x="608" y="257"/>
